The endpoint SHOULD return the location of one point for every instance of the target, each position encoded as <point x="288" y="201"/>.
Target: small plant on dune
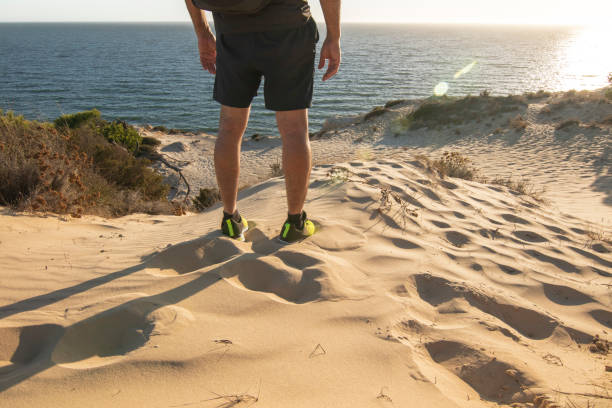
<point x="150" y="141"/>
<point x="607" y="120"/>
<point x="518" y="123"/>
<point x="568" y="123"/>
<point x="454" y="164"/>
<point x="538" y="95"/>
<point x="206" y="199"/>
<point x="597" y="235"/>
<point x="377" y="111"/>
<point x="162" y="129"/>
<point x="394" y="103"/>
<point x="388" y="198"/>
<point x="522" y="187"/>
<point x="339" y="175"/>
<point x="276" y="169"/>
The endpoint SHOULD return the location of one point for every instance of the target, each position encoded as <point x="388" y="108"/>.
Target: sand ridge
<point x="453" y="294"/>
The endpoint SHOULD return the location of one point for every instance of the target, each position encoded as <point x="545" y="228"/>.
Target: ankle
<point x="235" y="216"/>
<point x="296" y="219"/>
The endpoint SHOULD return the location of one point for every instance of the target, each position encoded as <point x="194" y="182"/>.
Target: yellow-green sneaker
<point x="234" y="226"/>
<point x="296" y="230"/>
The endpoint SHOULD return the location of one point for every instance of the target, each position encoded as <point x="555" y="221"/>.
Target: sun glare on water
<point x="587" y="58"/>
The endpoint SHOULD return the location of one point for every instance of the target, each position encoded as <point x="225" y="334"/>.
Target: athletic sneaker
<point x="234" y="226"/>
<point x="296" y="228"/>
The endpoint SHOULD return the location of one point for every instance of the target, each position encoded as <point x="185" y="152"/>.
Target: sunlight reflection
<point x="587" y="59"/>
<point x="465" y="69"/>
<point x="441" y="89"/>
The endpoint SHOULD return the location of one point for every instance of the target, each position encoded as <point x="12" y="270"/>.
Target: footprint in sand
<point x="530" y="323"/>
<point x="529" y="236"/>
<point x="107" y="337"/>
<point x="20" y="346"/>
<point x="566" y="296"/>
<point x="493" y="379"/>
<point x="458" y="239"/>
<point x="514" y="219"/>
<point x="338" y="237"/>
<point x="193" y="255"/>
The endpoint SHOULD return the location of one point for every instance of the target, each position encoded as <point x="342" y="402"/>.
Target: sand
<point x="451" y="293"/>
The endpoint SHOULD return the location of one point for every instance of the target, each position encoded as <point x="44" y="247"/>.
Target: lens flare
<point x="465" y="69"/>
<point x="441" y="89"/>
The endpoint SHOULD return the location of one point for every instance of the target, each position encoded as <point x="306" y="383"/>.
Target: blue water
<point x="150" y="73"/>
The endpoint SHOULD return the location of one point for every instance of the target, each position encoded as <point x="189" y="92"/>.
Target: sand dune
<point x="453" y="293"/>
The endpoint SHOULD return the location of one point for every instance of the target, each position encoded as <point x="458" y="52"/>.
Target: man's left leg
<point x="297" y="162"/>
<point x="297" y="156"/>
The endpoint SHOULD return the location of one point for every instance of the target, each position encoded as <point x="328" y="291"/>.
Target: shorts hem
<point x="288" y="108"/>
<point x="232" y="104"/>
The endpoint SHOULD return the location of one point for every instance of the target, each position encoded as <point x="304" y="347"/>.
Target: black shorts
<point x="285" y="58"/>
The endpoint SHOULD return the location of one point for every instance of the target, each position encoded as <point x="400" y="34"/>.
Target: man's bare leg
<point x="232" y="124"/>
<point x="297" y="157"/>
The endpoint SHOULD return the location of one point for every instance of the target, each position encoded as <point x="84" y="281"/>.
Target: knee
<point x="297" y="142"/>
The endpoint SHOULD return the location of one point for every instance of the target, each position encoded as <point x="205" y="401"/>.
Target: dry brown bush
<point x="73" y="171"/>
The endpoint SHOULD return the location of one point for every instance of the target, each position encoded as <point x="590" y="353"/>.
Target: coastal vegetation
<point x="445" y="110"/>
<point x="79" y="164"/>
<point x="206" y="199"/>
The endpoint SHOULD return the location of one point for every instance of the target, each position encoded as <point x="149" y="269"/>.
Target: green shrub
<point x="122" y="134"/>
<point x="121" y="168"/>
<point x="150" y="141"/>
<point x="206" y="199"/>
<point x="76" y="120"/>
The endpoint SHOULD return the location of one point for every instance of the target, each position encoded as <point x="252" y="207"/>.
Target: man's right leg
<point x="232" y="124"/>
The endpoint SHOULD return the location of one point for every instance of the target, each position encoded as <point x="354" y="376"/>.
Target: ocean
<point x="150" y="73"/>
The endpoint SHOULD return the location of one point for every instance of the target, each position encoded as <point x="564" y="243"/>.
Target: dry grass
<point x="455" y="111"/>
<point x="377" y="111"/>
<point x="518" y="123"/>
<point x="74" y="171"/>
<point x="573" y="97"/>
<point x="394" y="103"/>
<point x="568" y="123"/>
<point x="596" y="235"/>
<point x="522" y="187"/>
<point x="606" y="121"/>
<point x="387" y="199"/>
<point x="537" y="95"/>
<point x="206" y="199"/>
<point x="276" y="170"/>
<point x="451" y="164"/>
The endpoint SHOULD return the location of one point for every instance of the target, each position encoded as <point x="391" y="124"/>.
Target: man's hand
<point x="330" y="52"/>
<point x="208" y="52"/>
<point x="206" y="39"/>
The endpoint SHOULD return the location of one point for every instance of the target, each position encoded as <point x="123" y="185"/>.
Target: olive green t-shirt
<point x="278" y="15"/>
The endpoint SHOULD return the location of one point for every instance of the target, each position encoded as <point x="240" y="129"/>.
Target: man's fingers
<point x="208" y="63"/>
<point x="322" y="61"/>
<point x="332" y="69"/>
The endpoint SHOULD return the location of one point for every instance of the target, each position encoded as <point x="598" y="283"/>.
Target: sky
<point x="584" y="12"/>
